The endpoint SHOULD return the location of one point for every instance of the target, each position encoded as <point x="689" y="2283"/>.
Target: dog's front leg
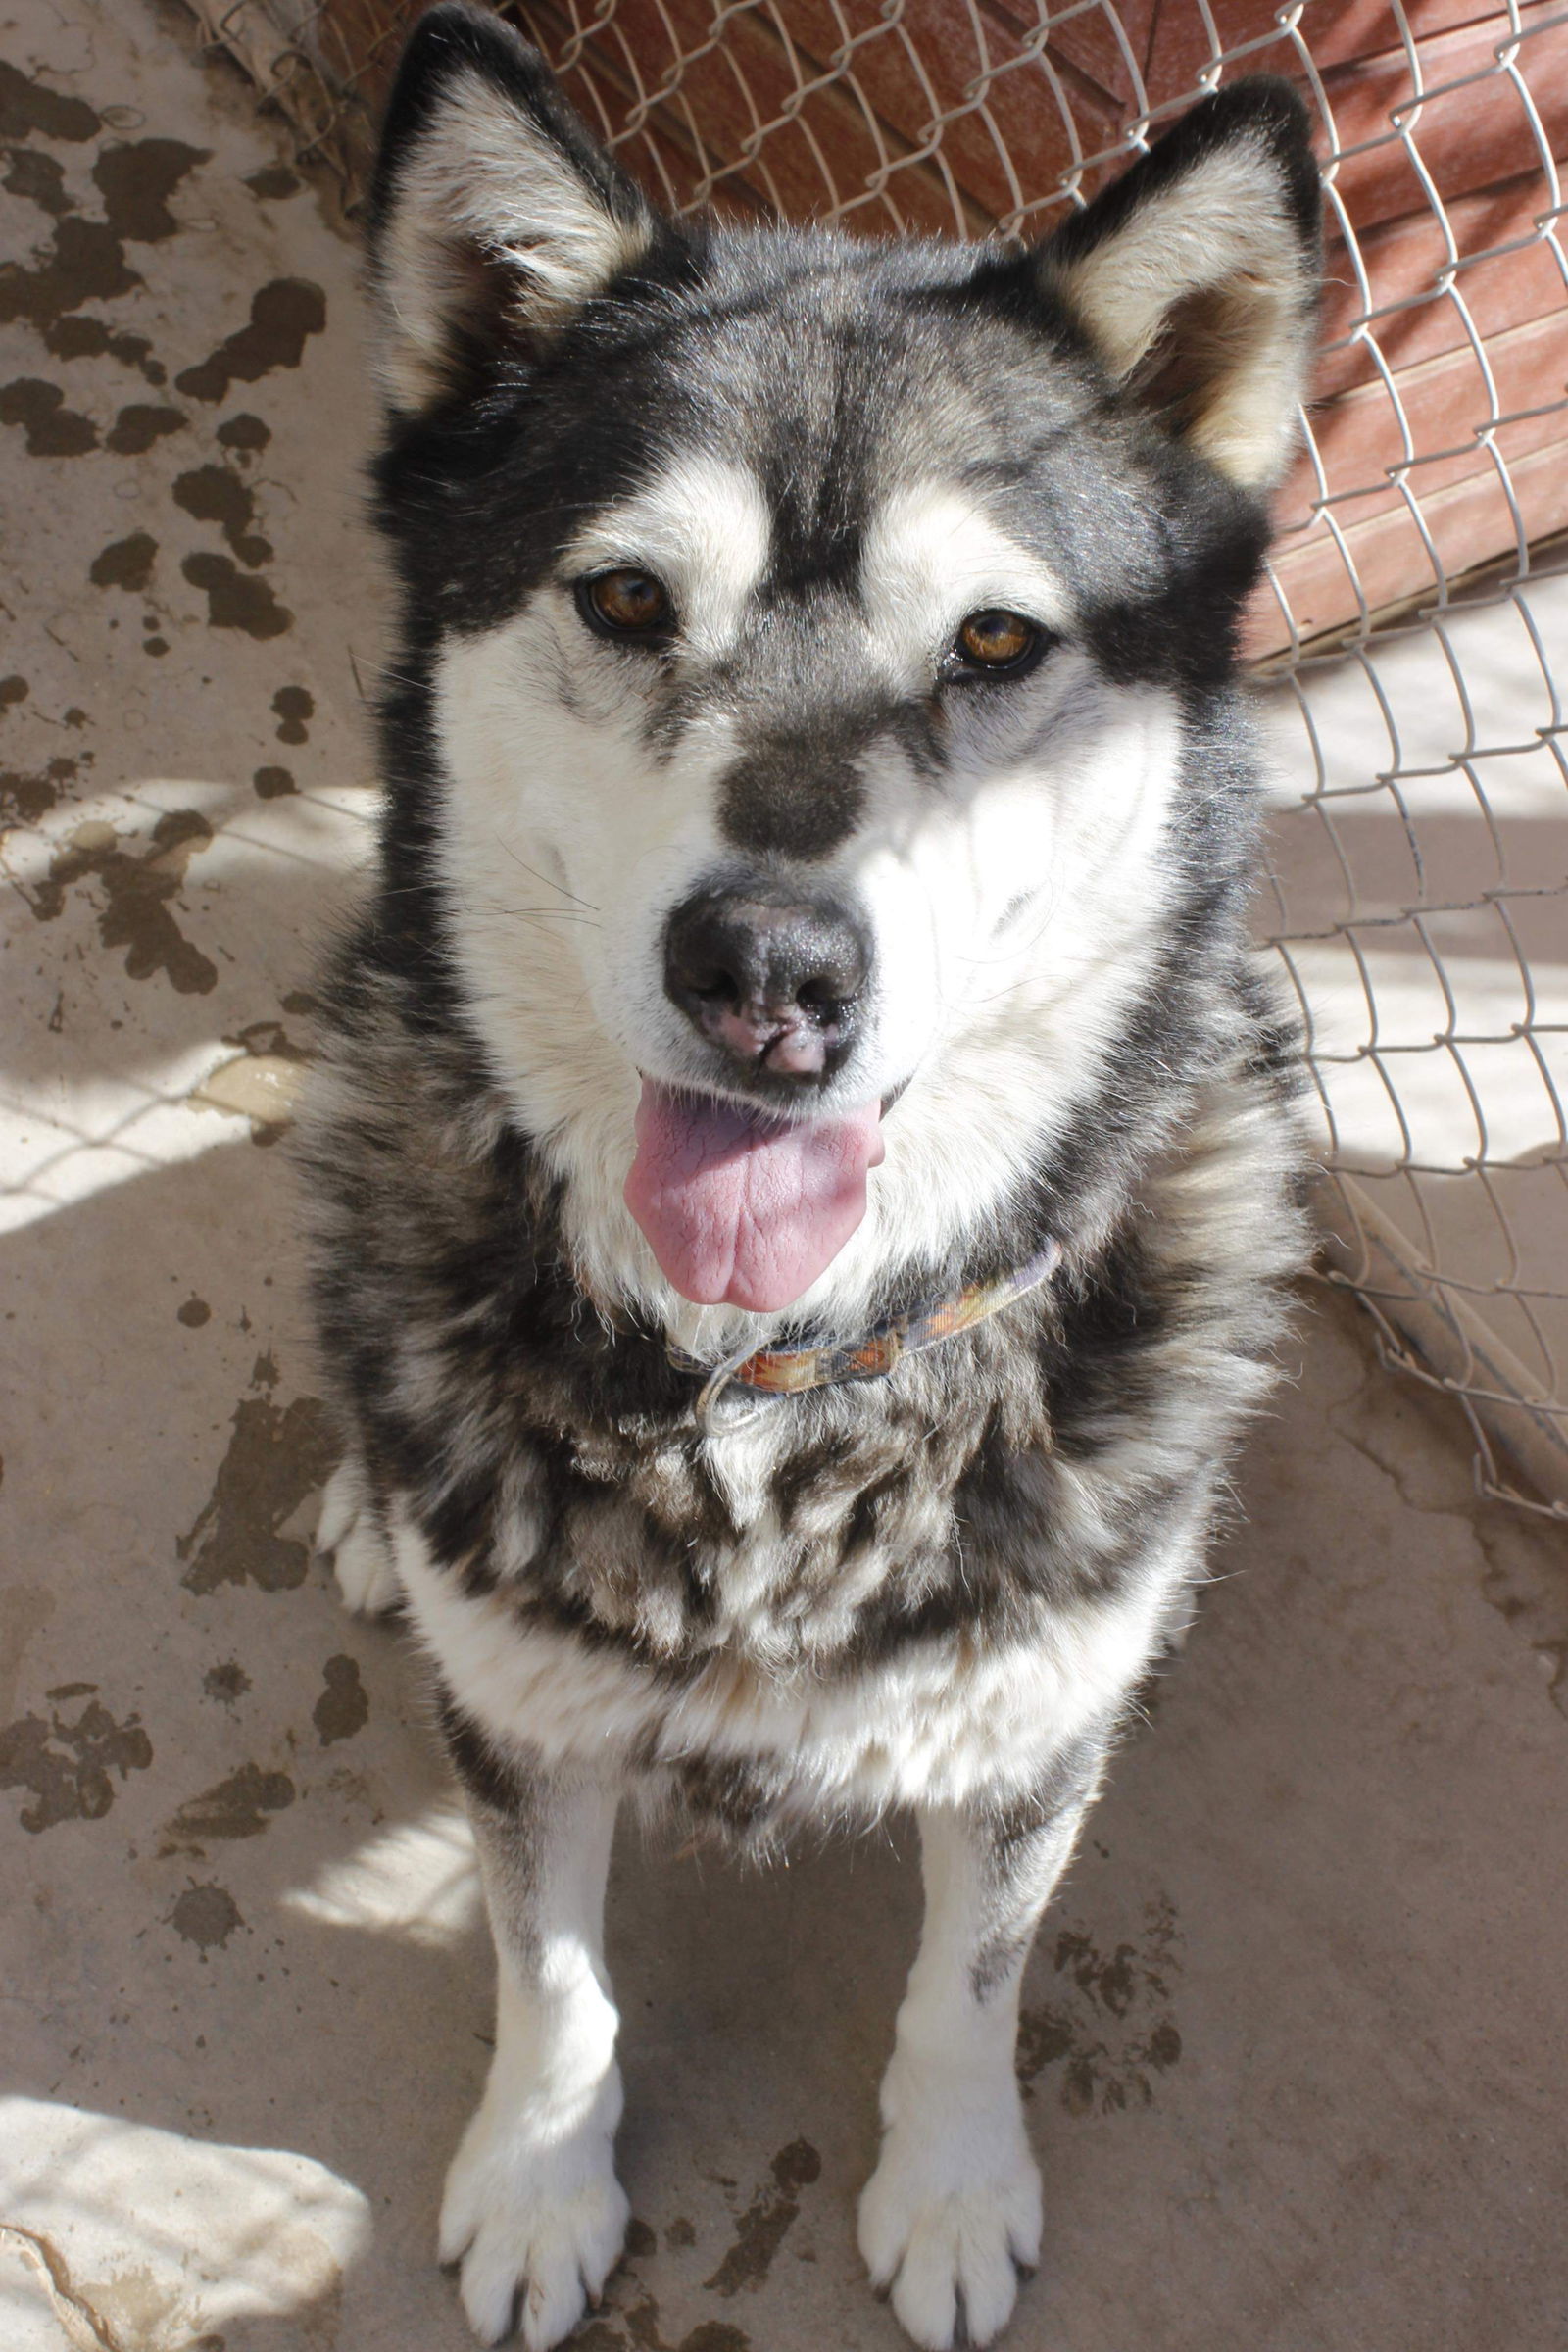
<point x="532" y="2209"/>
<point x="953" y="2207"/>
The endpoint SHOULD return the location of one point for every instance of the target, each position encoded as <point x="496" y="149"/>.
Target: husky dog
<point x="802" y="1167"/>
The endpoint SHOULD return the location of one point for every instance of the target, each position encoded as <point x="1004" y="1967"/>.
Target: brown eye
<point x="996" y="640"/>
<point x="626" y="604"/>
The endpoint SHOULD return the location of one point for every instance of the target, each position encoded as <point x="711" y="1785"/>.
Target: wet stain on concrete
<point x="273" y="783"/>
<point x="85" y="262"/>
<point x="52" y="429"/>
<point x="1131" y="1986"/>
<point x="235" y="1807"/>
<point x="85" y="259"/>
<point x="15" y="690"/>
<point x="271" y="1038"/>
<point x="235" y="602"/>
<point x="245" y="433"/>
<point x="276" y="1457"/>
<point x="293" y="705"/>
<point x="285" y="315"/>
<point x="680" y="2234"/>
<point x="194" y="1313"/>
<point x="37" y="179"/>
<point x="1096" y="2076"/>
<point x="138" y="426"/>
<point x="761" y="2230"/>
<point x="138" y="179"/>
<point x="24" y="799"/>
<point x="137" y="915"/>
<point x="1114" y="1983"/>
<point x="274" y="182"/>
<point x="126" y="562"/>
<point x="26" y="106"/>
<point x="637" y="2329"/>
<point x="344" y="1706"/>
<point x="205" y="1916"/>
<point x="227" y="1681"/>
<point x="66" y="1763"/>
<point x="83" y="337"/>
<point x="212" y="493"/>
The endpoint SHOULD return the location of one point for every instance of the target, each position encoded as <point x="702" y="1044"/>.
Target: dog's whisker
<point x="546" y="879"/>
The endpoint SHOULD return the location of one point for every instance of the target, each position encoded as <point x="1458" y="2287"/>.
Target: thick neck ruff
<point x="788" y="1371"/>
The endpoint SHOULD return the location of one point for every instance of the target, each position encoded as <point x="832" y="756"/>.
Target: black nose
<point x="773" y="983"/>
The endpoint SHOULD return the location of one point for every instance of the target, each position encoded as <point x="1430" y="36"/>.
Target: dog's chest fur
<point x="933" y="1556"/>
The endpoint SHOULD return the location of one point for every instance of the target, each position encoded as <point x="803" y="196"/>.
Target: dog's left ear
<point x="1196" y="277"/>
<point x="494" y="214"/>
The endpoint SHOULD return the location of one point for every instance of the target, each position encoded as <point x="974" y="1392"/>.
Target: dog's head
<point x="805" y="633"/>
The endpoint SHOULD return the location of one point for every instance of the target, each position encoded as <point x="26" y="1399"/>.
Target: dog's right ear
<point x="494" y="214"/>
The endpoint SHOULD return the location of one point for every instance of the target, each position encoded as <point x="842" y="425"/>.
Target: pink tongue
<point x="741" y="1209"/>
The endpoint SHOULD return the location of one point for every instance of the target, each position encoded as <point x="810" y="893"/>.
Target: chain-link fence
<point x="1414" y="627"/>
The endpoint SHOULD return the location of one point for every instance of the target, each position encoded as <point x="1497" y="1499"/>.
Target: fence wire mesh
<point x="1413" y="635"/>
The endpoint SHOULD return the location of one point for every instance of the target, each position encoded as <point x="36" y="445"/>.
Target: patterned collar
<point x="788" y="1371"/>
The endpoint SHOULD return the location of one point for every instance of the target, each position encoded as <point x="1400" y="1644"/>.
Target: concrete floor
<point x="1293" y="2036"/>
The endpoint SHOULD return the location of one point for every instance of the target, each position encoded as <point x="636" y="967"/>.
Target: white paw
<point x="361" y="1557"/>
<point x="946" y="2219"/>
<point x="536" y="2218"/>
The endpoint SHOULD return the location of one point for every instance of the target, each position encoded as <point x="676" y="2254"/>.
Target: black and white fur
<point x="940" y="1589"/>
